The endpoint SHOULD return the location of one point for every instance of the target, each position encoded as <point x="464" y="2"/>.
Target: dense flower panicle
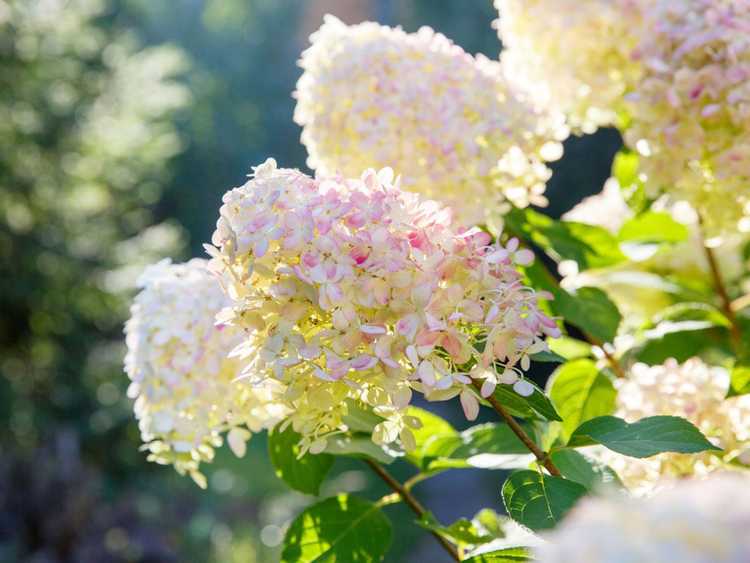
<point x="182" y="381"/>
<point x="354" y="289"/>
<point x="694" y="391"/>
<point x="698" y="521"/>
<point x="375" y="96"/>
<point x="691" y="110"/>
<point x="571" y="56"/>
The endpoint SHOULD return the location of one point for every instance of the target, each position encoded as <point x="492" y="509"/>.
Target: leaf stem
<point x="721" y="289"/>
<point x="418" y="478"/>
<point x="411" y="502"/>
<point x="541" y="456"/>
<point x="613" y="363"/>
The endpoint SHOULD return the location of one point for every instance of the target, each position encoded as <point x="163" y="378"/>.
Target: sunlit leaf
<point x="644" y="438"/>
<point x="342" y="528"/>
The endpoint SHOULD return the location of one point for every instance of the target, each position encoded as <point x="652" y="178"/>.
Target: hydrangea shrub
<point x="336" y="306"/>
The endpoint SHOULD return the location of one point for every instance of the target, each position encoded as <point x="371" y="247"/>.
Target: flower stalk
<point x="411" y="501"/>
<point x="518" y="430"/>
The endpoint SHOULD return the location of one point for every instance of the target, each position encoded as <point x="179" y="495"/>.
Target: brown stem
<point x="613" y="363"/>
<point x="412" y="503"/>
<point x="720" y="287"/>
<point x="741" y="302"/>
<point x="541" y="456"/>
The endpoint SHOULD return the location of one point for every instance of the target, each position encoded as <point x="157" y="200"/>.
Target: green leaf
<point x="507" y="555"/>
<point x="483" y="528"/>
<point x="589" y="309"/>
<point x="525" y="407"/>
<point x="360" y="418"/>
<point x="740" y="381"/>
<point x="304" y="474"/>
<point x="539" y="501"/>
<point x="358" y="445"/>
<point x="490" y="438"/>
<point x="589" y="246"/>
<point x="654" y="227"/>
<point x="436" y="438"/>
<point x="569" y="348"/>
<point x="625" y="168"/>
<point x="590" y="473"/>
<point x="487" y="446"/>
<point x="680" y="340"/>
<point x="693" y="312"/>
<point x="547" y="356"/>
<point x="581" y="392"/>
<point x="644" y="438"/>
<point x="341" y="528"/>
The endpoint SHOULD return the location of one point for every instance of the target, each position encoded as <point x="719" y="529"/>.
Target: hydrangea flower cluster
<point x="698" y="521"/>
<point x="691" y="110"/>
<point x="694" y="391"/>
<point x="356" y="290"/>
<point x="375" y="96"/>
<point x="571" y="56"/>
<point x="183" y="384"/>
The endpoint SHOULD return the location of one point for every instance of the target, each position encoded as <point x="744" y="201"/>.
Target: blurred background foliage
<point x="122" y="123"/>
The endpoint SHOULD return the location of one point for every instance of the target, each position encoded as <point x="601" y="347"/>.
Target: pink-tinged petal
<point x="462" y="378"/>
<point x="552" y="332"/>
<point x="498" y="256"/>
<point x="372" y="329"/>
<point x="523" y="257"/>
<point x="488" y="388"/>
<point x="426" y="373"/>
<point x="411" y="353"/>
<point x="444" y="383"/>
<point x="340" y="320"/>
<point x="421" y="294"/>
<point x="359" y="255"/>
<point x="710" y="109"/>
<point x="356" y="220"/>
<point x="525" y="362"/>
<point x="310" y="260"/>
<point x="364" y="362"/>
<point x="318" y="274"/>
<point x="321" y="374"/>
<point x="492" y="313"/>
<point x="407" y="326"/>
<point x="427" y="338"/>
<point x="523" y="388"/>
<point x="383" y="347"/>
<point x="309" y="352"/>
<point x="418" y="240"/>
<point x="433" y="323"/>
<point x="260" y="248"/>
<point x="324" y="225"/>
<point x="470" y="404"/>
<point x="334" y="293"/>
<point x="512" y="245"/>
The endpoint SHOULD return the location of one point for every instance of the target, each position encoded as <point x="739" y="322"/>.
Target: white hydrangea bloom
<point x="183" y="384"/>
<point x="694" y="391"/>
<point x="698" y="521"/>
<point x="571" y="56"/>
<point x="691" y="109"/>
<point x="607" y="209"/>
<point x="447" y="122"/>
